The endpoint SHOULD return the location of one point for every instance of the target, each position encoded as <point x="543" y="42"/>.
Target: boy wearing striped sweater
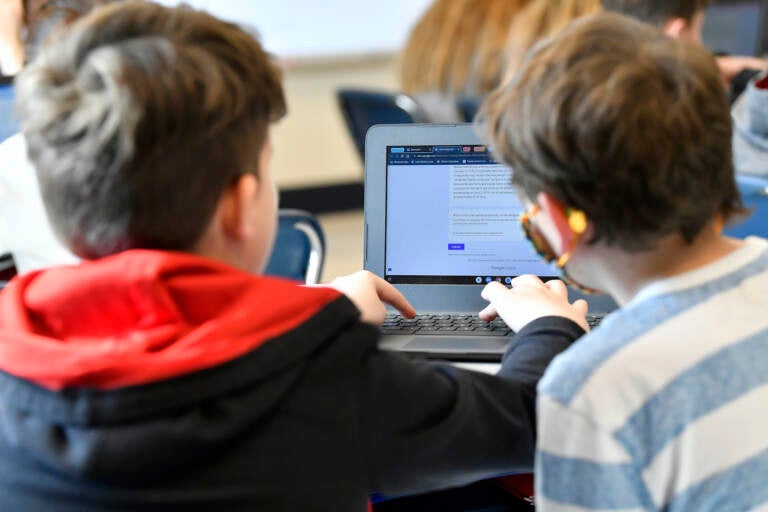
<point x="619" y="138"/>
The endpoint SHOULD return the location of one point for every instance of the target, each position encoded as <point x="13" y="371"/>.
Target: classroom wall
<point x="311" y="145"/>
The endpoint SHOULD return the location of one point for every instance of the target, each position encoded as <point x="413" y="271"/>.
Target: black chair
<point x="364" y="108"/>
<point x="468" y="106"/>
<point x="754" y="193"/>
<point x="299" y="250"/>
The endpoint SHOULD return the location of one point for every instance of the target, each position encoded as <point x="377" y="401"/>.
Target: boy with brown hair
<point x="163" y="373"/>
<point x="619" y="138"/>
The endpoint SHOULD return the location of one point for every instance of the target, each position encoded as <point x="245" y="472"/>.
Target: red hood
<point x="142" y="316"/>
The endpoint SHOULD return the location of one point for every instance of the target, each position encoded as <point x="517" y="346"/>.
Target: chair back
<point x="468" y="106"/>
<point x="9" y="125"/>
<point x="363" y="108"/>
<point x="299" y="250"/>
<point x="754" y="193"/>
<point x="7" y="269"/>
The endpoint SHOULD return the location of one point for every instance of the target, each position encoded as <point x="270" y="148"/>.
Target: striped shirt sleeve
<point x="581" y="467"/>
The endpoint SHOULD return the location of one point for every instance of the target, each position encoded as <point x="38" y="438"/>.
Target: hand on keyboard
<point x="369" y="293"/>
<point x="528" y="299"/>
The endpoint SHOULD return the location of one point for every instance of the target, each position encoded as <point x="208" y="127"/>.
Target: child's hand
<point x="369" y="293"/>
<point x="732" y="65"/>
<point x="528" y="299"/>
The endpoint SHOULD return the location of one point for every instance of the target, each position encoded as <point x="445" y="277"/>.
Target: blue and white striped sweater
<point x="665" y="405"/>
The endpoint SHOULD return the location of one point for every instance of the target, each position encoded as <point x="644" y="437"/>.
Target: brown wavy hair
<point x="458" y="46"/>
<point x="541" y="19"/>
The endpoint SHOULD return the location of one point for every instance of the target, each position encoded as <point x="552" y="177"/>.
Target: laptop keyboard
<point x="457" y="324"/>
<point x="444" y="324"/>
<point x="594" y="320"/>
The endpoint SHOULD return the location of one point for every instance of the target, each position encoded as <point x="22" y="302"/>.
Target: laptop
<point x="442" y="221"/>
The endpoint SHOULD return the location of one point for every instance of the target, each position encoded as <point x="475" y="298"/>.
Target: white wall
<point x="321" y="28"/>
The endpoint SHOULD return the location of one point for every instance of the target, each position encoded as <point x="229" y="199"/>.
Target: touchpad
<point x="457" y="344"/>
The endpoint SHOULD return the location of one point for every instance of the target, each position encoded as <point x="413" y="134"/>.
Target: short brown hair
<point x="626" y="124"/>
<point x="138" y="117"/>
<point x="656" y="12"/>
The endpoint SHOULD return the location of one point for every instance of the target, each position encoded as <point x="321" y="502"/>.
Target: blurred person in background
<point x="456" y="51"/>
<point x="684" y="19"/>
<point x="541" y="19"/>
<point x="25" y="231"/>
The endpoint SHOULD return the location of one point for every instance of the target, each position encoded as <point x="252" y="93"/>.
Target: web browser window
<point x="453" y="217"/>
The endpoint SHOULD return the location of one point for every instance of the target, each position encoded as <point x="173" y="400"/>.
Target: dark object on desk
<point x="325" y="198"/>
<point x="7" y="269"/>
<point x="299" y="250"/>
<point x="363" y="108"/>
<point x="754" y="193"/>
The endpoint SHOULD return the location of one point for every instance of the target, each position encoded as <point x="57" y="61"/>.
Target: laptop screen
<point x="453" y="217"/>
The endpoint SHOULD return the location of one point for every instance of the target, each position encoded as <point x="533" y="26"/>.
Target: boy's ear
<point x="236" y="205"/>
<point x="675" y="27"/>
<point x="556" y="224"/>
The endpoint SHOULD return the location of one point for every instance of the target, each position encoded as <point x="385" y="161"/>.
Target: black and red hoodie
<point x="163" y="381"/>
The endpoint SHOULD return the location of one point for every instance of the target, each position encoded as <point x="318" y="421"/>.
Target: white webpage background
<point x="432" y="207"/>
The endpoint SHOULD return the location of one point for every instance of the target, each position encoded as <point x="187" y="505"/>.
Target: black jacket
<point x="314" y="419"/>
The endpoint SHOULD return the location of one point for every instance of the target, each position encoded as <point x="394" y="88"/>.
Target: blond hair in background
<point x="541" y="19"/>
<point x="458" y="46"/>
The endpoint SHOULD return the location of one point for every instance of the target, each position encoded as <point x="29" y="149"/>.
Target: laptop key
<point x="594" y="320"/>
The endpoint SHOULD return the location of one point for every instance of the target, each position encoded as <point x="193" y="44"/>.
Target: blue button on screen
<point x="455" y="247"/>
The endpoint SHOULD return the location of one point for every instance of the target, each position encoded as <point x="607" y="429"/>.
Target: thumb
<point x="581" y="307"/>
